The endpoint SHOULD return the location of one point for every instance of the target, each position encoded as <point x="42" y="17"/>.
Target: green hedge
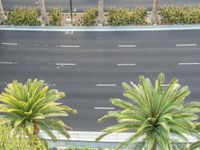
<point x="180" y="15"/>
<point x="23" y="16"/>
<point x="123" y="16"/>
<point x="90" y="17"/>
<point x="55" y="16"/>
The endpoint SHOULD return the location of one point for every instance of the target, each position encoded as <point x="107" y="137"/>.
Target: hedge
<point x="123" y="16"/>
<point x="90" y="17"/>
<point x="23" y="16"/>
<point x="180" y="15"/>
<point x="55" y="16"/>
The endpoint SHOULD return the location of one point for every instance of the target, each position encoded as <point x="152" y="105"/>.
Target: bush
<point x="18" y="139"/>
<point x="180" y="15"/>
<point x="23" y="16"/>
<point x="123" y="16"/>
<point x="55" y="16"/>
<point x="90" y="17"/>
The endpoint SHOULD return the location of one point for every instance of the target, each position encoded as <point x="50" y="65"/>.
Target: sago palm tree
<point x="100" y="11"/>
<point x="34" y="106"/>
<point x="154" y="113"/>
<point x="2" y="14"/>
<point x="43" y="11"/>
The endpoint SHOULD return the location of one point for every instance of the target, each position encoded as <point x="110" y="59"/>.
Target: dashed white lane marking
<point x="126" y="46"/>
<point x="69" y="46"/>
<point x="104" y="108"/>
<point x="185" y="45"/>
<point x="126" y="64"/>
<point x="65" y="64"/>
<point x="194" y="63"/>
<point x="7" y="63"/>
<point x="106" y="85"/>
<point x="9" y="44"/>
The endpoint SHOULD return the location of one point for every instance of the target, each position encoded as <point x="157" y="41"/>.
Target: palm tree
<point x="43" y="11"/>
<point x="34" y="106"/>
<point x="101" y="11"/>
<point x="154" y="15"/>
<point x="155" y="112"/>
<point x="2" y="14"/>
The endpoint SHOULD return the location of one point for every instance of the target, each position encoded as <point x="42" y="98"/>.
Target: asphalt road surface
<point x="90" y="66"/>
<point x="80" y="5"/>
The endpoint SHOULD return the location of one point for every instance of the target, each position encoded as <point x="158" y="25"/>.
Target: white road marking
<point x="126" y="46"/>
<point x="69" y="46"/>
<point x="104" y="108"/>
<point x="106" y="85"/>
<point x="126" y="64"/>
<point x="195" y="63"/>
<point x="65" y="64"/>
<point x="185" y="45"/>
<point x="7" y="63"/>
<point x="9" y="43"/>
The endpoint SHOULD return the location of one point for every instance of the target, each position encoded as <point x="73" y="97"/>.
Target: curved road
<point x="80" y="5"/>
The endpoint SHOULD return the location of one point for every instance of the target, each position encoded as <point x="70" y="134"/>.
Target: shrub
<point x="55" y="16"/>
<point x="23" y="16"/>
<point x="90" y="17"/>
<point x="180" y="15"/>
<point x="18" y="139"/>
<point x="123" y="16"/>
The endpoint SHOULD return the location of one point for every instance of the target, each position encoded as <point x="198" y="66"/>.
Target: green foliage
<point x="180" y="14"/>
<point x="90" y="17"/>
<point x="23" y="16"/>
<point x="18" y="139"/>
<point x="55" y="16"/>
<point x="34" y="106"/>
<point x="122" y="16"/>
<point x="154" y="112"/>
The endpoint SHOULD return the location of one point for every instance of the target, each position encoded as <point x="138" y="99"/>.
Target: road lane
<point x="96" y="61"/>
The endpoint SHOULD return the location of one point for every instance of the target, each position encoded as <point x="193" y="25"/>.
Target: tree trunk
<point x="154" y="15"/>
<point x="43" y="11"/>
<point x="36" y="130"/>
<point x="101" y="11"/>
<point x="2" y="14"/>
<point x="155" y="145"/>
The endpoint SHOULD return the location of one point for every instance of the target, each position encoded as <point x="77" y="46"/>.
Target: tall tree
<point x="43" y="11"/>
<point x="154" y="15"/>
<point x="34" y="106"/>
<point x="100" y="11"/>
<point x="154" y="112"/>
<point x="2" y="14"/>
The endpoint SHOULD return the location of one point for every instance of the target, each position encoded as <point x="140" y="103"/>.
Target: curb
<point x="101" y="29"/>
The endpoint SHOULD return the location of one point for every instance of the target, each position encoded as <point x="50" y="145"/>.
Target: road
<point x="80" y="5"/>
<point x="90" y="66"/>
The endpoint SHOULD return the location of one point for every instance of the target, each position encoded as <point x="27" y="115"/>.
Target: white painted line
<point x="106" y="85"/>
<point x="196" y="63"/>
<point x="126" y="46"/>
<point x="70" y="46"/>
<point x="65" y="64"/>
<point x="126" y="64"/>
<point x="9" y="43"/>
<point x="104" y="108"/>
<point x="185" y="45"/>
<point x="7" y="63"/>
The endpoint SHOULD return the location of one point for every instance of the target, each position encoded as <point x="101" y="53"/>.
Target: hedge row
<point x="30" y="16"/>
<point x="115" y="17"/>
<point x="180" y="15"/>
